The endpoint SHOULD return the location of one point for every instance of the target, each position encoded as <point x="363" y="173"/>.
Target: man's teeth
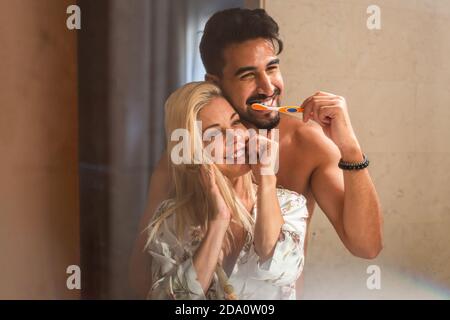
<point x="268" y="102"/>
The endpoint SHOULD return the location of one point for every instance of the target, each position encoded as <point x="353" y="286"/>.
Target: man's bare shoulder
<point x="309" y="138"/>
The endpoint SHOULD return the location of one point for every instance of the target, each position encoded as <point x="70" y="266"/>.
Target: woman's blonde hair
<point x="192" y="205"/>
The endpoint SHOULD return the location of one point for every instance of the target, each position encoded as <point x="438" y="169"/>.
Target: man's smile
<point x="271" y="101"/>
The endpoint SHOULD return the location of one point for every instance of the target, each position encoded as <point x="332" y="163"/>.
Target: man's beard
<point x="258" y="122"/>
<point x="252" y="116"/>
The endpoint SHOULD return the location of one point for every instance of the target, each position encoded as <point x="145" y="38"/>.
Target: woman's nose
<point x="242" y="141"/>
<point x="238" y="139"/>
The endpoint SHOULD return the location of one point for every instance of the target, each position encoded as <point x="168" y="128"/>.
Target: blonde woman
<point x="220" y="236"/>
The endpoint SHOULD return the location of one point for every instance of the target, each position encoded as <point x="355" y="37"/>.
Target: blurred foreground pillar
<point x="39" y="212"/>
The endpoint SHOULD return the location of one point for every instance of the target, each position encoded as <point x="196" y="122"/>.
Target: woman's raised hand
<point x="221" y="212"/>
<point x="263" y="157"/>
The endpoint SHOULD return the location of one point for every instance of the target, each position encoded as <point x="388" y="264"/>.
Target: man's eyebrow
<point x="251" y="68"/>
<point x="274" y="61"/>
<point x="244" y="69"/>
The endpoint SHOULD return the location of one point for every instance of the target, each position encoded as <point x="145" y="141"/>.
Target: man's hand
<point x="330" y="111"/>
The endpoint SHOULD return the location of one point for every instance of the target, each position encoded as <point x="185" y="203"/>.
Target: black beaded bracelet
<point x="354" y="165"/>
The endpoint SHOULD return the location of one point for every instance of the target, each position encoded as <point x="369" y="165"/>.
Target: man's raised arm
<point x="350" y="201"/>
<point x="348" y="198"/>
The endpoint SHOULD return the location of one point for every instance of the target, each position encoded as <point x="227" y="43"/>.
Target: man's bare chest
<point x="295" y="173"/>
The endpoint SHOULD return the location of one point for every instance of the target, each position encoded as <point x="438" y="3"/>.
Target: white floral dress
<point x="174" y="275"/>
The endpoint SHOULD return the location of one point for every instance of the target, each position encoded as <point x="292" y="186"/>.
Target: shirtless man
<point x="239" y="49"/>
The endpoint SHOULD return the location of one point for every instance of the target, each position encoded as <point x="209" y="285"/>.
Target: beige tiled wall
<point x="397" y="83"/>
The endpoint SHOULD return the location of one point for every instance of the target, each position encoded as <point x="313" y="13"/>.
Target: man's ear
<point x="212" y="78"/>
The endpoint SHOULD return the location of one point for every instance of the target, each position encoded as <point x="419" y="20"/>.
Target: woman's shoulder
<point x="289" y="195"/>
<point x="291" y="201"/>
<point x="165" y="220"/>
<point x="163" y="208"/>
<point x="164" y="205"/>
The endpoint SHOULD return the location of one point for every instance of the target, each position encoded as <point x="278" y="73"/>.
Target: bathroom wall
<point x="397" y="84"/>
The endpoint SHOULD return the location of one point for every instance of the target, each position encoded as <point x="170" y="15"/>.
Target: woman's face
<point x="217" y="118"/>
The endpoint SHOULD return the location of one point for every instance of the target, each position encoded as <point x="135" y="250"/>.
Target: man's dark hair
<point x="233" y="26"/>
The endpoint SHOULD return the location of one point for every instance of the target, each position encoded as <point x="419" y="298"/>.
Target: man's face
<point x="252" y="74"/>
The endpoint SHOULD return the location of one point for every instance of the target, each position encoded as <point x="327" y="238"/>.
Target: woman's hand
<point x="269" y="219"/>
<point x="221" y="214"/>
<point x="209" y="252"/>
<point x="266" y="151"/>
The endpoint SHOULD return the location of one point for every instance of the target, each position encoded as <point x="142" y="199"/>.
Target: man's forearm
<point x="362" y="217"/>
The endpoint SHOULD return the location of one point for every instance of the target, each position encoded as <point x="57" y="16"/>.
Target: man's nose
<point x="265" y="86"/>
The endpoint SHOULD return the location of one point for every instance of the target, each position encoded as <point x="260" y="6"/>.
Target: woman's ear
<point x="212" y="78"/>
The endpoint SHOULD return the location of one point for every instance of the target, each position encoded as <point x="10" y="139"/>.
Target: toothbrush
<point x="284" y="109"/>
